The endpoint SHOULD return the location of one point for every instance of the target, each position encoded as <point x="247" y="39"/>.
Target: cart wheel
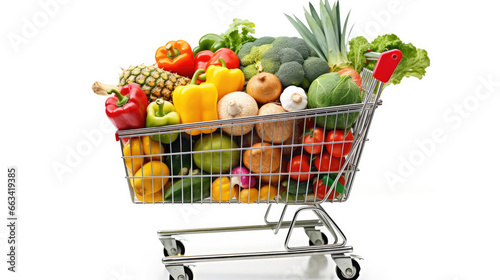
<point x="323" y="236"/>
<point x="353" y="275"/>
<point x="189" y="274"/>
<point x="180" y="249"/>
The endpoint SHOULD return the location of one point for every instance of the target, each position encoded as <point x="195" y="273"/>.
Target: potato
<point x="274" y="132"/>
<point x="270" y="158"/>
<point x="275" y="179"/>
<point x="297" y="134"/>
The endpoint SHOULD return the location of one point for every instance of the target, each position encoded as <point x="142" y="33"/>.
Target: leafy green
<point x="413" y="63"/>
<point x="385" y="42"/>
<point x="357" y="48"/>
<point x="239" y="33"/>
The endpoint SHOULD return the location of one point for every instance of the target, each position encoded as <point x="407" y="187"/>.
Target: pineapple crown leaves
<point x="326" y="34"/>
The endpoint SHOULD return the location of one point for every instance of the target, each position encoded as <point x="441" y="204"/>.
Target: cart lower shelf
<point x="347" y="266"/>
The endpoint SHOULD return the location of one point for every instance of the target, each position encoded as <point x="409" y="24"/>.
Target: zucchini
<point x="295" y="187"/>
<point x="189" y="189"/>
<point x="179" y="164"/>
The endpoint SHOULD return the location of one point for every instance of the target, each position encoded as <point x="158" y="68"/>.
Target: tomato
<point x="343" y="145"/>
<point x="354" y="75"/>
<point x="310" y="122"/>
<point x="300" y="164"/>
<point x="326" y="162"/>
<point x="320" y="189"/>
<point x="316" y="137"/>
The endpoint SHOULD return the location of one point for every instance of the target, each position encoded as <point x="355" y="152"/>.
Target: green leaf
<point x="238" y="34"/>
<point x="318" y="34"/>
<point x="413" y="64"/>
<point x="385" y="42"/>
<point x="331" y="38"/>
<point x="314" y="14"/>
<point x="414" y="61"/>
<point x="306" y="35"/>
<point x="357" y="48"/>
<point x="343" y="40"/>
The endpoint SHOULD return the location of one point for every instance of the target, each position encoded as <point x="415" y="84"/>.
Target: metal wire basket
<point x="198" y="170"/>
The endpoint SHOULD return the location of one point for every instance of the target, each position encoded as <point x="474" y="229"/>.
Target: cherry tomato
<point x="326" y="162"/>
<point x="320" y="189"/>
<point x="335" y="148"/>
<point x="300" y="164"/>
<point x="316" y="137"/>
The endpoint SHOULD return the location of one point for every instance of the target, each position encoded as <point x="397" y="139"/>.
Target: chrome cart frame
<point x="143" y="181"/>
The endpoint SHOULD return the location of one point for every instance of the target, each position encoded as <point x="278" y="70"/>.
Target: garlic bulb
<point x="293" y="99"/>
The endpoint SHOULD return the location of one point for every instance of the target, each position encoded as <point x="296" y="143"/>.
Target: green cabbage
<point x="332" y="90"/>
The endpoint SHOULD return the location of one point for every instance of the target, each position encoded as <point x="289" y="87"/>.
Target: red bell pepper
<point x="201" y="60"/>
<point x="127" y="109"/>
<point x="177" y="57"/>
<point x="230" y="58"/>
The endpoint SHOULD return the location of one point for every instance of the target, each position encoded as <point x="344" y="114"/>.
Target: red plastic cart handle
<point x="386" y="65"/>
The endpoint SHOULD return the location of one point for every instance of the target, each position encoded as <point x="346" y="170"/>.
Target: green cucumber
<point x="291" y="197"/>
<point x="302" y="187"/>
<point x="190" y="189"/>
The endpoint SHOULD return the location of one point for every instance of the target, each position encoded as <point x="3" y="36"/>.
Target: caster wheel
<point x="180" y="249"/>
<point x="188" y="272"/>
<point x="323" y="236"/>
<point x="349" y="275"/>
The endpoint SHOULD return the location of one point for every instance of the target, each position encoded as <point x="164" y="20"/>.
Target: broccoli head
<point x="285" y="57"/>
<point x="291" y="73"/>
<point x="289" y="55"/>
<point x="295" y="43"/>
<point x="314" y="67"/>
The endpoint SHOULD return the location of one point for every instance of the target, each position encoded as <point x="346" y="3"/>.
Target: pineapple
<point x="154" y="81"/>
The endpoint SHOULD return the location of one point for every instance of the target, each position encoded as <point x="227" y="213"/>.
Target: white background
<point x="438" y="222"/>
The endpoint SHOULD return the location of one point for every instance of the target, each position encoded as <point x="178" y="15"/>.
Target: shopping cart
<point x="151" y="168"/>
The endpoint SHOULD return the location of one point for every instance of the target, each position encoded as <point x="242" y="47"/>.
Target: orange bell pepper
<point x="177" y="57"/>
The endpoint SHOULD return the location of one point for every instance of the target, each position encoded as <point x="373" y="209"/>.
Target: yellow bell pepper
<point x="196" y="103"/>
<point x="133" y="148"/>
<point x="222" y="189"/>
<point x="226" y="80"/>
<point x="148" y="179"/>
